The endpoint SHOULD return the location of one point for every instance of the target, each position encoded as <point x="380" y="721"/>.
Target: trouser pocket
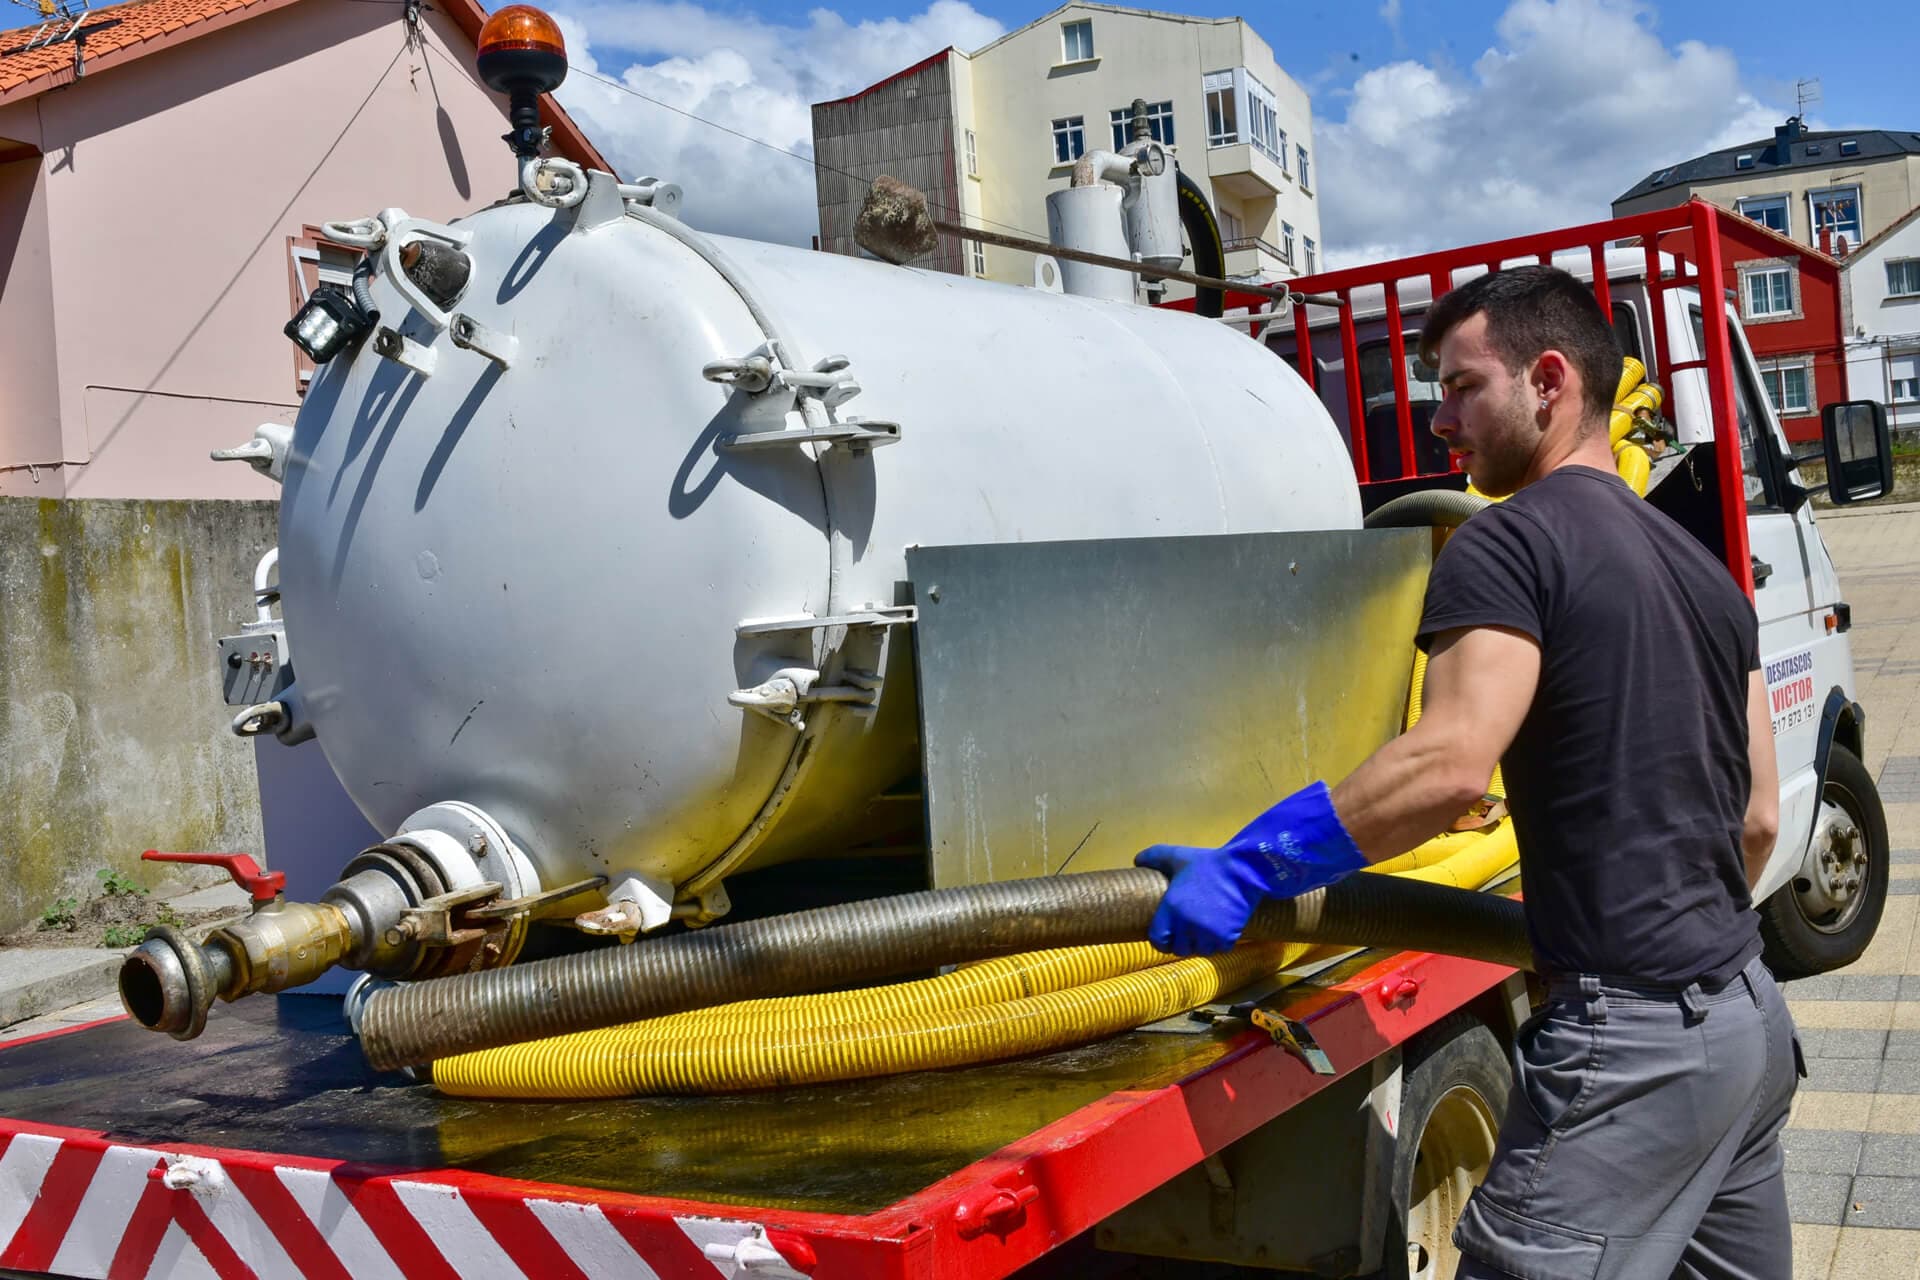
<point x="1555" y="1055"/>
<point x="1526" y="1247"/>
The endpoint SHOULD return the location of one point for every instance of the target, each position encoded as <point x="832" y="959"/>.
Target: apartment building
<point x="987" y="134"/>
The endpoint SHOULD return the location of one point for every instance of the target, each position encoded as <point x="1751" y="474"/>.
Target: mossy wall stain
<point x="113" y="733"/>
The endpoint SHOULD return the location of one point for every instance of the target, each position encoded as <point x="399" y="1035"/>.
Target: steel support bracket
<point x="887" y="616"/>
<point x="857" y="435"/>
<point x="470" y="335"/>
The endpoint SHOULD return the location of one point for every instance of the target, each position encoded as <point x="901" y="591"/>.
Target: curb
<point x="88" y="980"/>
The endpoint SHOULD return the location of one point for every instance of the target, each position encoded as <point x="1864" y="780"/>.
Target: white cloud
<point x="754" y="77"/>
<point x="1575" y="102"/>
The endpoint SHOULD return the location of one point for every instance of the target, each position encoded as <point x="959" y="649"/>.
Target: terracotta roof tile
<point x="147" y="26"/>
<point x="135" y="23"/>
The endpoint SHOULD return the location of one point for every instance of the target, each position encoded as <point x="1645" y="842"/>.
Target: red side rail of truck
<point x="1683" y="247"/>
<point x="79" y="1202"/>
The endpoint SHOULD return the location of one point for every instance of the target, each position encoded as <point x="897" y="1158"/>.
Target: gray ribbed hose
<point x="862" y="942"/>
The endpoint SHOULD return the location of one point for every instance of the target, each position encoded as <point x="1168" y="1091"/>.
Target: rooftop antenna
<point x="1806" y="92"/>
<point x="60" y="23"/>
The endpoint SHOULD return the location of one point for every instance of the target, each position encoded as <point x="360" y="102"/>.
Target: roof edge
<point x="64" y="75"/>
<point x="882" y="83"/>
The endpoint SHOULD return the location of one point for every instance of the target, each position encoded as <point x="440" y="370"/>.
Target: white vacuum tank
<point x="562" y="584"/>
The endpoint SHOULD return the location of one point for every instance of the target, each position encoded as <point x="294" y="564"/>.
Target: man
<point x="1599" y="653"/>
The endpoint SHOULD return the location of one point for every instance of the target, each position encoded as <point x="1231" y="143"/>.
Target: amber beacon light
<point x="523" y="56"/>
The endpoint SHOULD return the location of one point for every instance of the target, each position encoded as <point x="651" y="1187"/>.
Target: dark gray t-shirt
<point x="1628" y="780"/>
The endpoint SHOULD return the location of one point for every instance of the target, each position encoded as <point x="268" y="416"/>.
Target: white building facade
<point x="1883" y="336"/>
<point x="988" y="134"/>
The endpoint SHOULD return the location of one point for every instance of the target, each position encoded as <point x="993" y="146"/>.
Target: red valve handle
<point x="262" y="886"/>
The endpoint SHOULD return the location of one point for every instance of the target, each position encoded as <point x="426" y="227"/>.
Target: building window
<point x="1076" y="42"/>
<point x="1768" y="211"/>
<point x="315" y="261"/>
<point x="1286" y="242"/>
<point x="1223" y="116"/>
<point x="1313" y="254"/>
<point x="1069" y="139"/>
<point x="1767" y="292"/>
<point x="1231" y="228"/>
<point x="979" y="259"/>
<point x="1786" y="385"/>
<point x="1744" y="160"/>
<point x="1903" y="376"/>
<point x="1159" y="124"/>
<point x="1850" y="147"/>
<point x="1241" y="109"/>
<point x="1306" y="181"/>
<point x="973" y="158"/>
<point x="1837" y="210"/>
<point x="1903" y="278"/>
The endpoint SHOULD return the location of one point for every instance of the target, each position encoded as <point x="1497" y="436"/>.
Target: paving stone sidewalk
<point x="1853" y="1143"/>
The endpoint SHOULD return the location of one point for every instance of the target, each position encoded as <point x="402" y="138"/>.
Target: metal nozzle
<point x="169" y="981"/>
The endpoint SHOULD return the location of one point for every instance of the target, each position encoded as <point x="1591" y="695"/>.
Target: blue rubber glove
<point x="1296" y="846"/>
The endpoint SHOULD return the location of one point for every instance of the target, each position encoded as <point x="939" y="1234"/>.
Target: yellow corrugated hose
<point x="623" y="1061"/>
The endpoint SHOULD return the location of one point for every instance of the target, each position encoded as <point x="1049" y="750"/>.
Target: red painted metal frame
<point x="1704" y="226"/>
<point x="1029" y="1197"/>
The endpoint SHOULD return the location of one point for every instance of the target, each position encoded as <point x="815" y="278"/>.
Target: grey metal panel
<point x="1080" y="700"/>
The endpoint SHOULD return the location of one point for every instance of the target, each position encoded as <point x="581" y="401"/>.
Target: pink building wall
<point x="141" y="313"/>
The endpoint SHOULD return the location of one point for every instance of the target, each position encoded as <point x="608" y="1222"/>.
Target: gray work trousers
<point x="1642" y="1138"/>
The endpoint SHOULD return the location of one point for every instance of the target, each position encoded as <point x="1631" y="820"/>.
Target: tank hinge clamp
<point x="764" y="369"/>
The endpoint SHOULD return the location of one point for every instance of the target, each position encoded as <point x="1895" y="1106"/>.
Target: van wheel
<point x="1827" y="914"/>
<point x="1453" y="1092"/>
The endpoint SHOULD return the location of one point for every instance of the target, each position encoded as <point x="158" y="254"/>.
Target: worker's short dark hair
<point x="1529" y="310"/>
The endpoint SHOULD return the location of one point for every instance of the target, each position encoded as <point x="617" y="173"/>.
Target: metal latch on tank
<point x="784" y="694"/>
<point x="828" y="382"/>
<point x="781" y="696"/>
<point x="475" y="914"/>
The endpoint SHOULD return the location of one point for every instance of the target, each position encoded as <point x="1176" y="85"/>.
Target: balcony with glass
<point x="1246" y="147"/>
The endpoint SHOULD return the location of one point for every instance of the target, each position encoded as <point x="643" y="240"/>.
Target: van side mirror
<point x="1859" y="451"/>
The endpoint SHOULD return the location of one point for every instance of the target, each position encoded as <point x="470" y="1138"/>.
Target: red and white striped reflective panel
<point x="84" y="1208"/>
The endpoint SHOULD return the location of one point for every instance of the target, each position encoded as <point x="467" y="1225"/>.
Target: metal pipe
<point x="866" y="941"/>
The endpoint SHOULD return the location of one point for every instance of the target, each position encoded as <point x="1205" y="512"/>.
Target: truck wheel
<point x="1454" y="1087"/>
<point x="1827" y="914"/>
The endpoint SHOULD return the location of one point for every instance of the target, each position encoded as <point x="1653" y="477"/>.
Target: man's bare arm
<point x="1480" y="682"/>
<point x="1762" y="826"/>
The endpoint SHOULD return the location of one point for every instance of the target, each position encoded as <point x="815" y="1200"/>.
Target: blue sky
<point x="1437" y="121"/>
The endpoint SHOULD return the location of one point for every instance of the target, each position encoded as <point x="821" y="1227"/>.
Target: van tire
<point x="1453" y="1093"/>
<point x="1802" y="934"/>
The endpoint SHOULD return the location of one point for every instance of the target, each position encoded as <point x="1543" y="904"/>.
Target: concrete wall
<point x="172" y="185"/>
<point x="113" y="735"/>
